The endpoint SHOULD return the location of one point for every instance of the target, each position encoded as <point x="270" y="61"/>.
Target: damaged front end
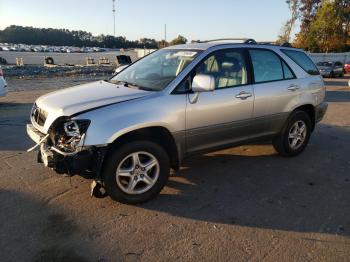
<point x="63" y="150"/>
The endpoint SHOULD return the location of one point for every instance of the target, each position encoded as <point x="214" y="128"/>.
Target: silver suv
<point x="127" y="132"/>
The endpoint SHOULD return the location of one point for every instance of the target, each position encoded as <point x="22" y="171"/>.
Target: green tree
<point x="329" y="30"/>
<point x="325" y="25"/>
<point x="179" y="40"/>
<point x="307" y="13"/>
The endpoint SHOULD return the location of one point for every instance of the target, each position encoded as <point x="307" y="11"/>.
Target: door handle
<point x="243" y="95"/>
<point x="293" y="88"/>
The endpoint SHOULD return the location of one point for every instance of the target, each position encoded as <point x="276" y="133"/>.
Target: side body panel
<point x="274" y="101"/>
<point x="218" y="118"/>
<point x="160" y="110"/>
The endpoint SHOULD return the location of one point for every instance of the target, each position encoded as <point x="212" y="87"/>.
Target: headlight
<point x="75" y="128"/>
<point x="70" y="136"/>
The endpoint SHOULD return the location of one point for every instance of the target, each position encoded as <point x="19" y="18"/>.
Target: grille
<point x="38" y="115"/>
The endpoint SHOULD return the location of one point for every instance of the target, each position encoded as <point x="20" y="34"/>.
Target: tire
<point x="283" y="143"/>
<point x="332" y="75"/>
<point x="49" y="61"/>
<point x="119" y="181"/>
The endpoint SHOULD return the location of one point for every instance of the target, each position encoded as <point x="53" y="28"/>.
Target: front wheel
<point x="295" y="135"/>
<point x="136" y="172"/>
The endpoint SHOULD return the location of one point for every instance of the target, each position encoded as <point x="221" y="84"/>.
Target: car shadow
<point x="242" y="186"/>
<point x="337" y="83"/>
<point x="32" y="231"/>
<point x="337" y="96"/>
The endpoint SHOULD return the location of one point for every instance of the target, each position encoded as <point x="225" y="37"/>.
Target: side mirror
<point x="203" y="83"/>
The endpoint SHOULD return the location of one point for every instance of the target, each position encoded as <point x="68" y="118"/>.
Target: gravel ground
<point x="30" y="72"/>
<point x="241" y="204"/>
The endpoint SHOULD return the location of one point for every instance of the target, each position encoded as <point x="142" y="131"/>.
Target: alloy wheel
<point x="137" y="173"/>
<point x="297" y="135"/>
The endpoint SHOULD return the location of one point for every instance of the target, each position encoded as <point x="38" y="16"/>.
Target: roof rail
<point x="284" y="44"/>
<point x="244" y="40"/>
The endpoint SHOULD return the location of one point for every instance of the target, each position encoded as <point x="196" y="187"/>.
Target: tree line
<point x="64" y="37"/>
<point x="324" y="25"/>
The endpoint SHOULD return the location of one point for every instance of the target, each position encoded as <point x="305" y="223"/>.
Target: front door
<point x="220" y="117"/>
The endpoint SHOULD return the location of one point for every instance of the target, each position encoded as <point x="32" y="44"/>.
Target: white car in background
<point x="3" y="84"/>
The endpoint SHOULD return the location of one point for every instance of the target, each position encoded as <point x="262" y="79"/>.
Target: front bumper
<point x="320" y="111"/>
<point x="86" y="162"/>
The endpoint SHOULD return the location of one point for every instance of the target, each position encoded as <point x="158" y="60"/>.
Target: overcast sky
<point x="195" y="19"/>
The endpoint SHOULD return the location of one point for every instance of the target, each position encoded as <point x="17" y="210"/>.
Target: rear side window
<point x="267" y="66"/>
<point x="302" y="60"/>
<point x="287" y="72"/>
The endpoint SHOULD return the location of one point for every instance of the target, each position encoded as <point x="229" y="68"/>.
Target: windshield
<point x="157" y="70"/>
<point x="328" y="64"/>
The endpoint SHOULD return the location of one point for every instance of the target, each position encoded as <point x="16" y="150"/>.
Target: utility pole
<point x="165" y="33"/>
<point x="113" y="10"/>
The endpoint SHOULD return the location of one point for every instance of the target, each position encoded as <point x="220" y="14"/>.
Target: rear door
<point x="275" y="86"/>
<point x="222" y="116"/>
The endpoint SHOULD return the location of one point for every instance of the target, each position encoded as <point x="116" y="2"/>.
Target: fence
<point x="323" y="57"/>
<point x="38" y="58"/>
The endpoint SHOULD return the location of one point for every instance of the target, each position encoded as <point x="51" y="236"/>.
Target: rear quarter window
<point x="302" y="60"/>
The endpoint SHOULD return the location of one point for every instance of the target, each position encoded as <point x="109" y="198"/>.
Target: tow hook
<point x="97" y="189"/>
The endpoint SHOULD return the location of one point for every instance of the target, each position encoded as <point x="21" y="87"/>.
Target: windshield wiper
<point x="131" y="85"/>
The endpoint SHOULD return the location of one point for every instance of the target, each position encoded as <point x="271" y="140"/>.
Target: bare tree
<point x="294" y="7"/>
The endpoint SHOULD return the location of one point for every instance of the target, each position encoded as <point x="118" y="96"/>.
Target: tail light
<point x="1" y="72"/>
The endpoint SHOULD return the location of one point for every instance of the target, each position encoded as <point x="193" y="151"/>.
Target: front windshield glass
<point x="328" y="64"/>
<point x="157" y="70"/>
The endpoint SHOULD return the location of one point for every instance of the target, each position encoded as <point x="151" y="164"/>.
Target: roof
<point x="208" y="44"/>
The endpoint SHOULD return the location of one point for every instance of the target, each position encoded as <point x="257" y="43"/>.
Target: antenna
<point x="113" y="10"/>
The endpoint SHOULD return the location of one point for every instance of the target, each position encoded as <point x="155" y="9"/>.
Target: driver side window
<point x="226" y="66"/>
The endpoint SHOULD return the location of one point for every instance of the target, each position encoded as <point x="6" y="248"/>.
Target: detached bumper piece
<point x="86" y="163"/>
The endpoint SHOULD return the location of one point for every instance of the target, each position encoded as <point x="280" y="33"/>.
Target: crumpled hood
<point x="73" y="100"/>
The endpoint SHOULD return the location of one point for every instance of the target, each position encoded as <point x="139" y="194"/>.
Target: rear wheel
<point x="295" y="135"/>
<point x="136" y="172"/>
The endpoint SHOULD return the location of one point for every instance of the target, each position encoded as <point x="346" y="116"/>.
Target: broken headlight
<point x="72" y="135"/>
<point x="76" y="128"/>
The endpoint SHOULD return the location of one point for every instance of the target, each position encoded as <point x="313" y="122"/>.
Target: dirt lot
<point x="241" y="204"/>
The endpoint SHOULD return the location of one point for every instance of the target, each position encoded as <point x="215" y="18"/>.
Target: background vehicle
<point x="127" y="132"/>
<point x="331" y="69"/>
<point x="347" y="67"/>
<point x="3" y="84"/>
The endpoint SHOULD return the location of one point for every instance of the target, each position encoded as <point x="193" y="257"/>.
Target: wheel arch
<point x="310" y="110"/>
<point x="158" y="134"/>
